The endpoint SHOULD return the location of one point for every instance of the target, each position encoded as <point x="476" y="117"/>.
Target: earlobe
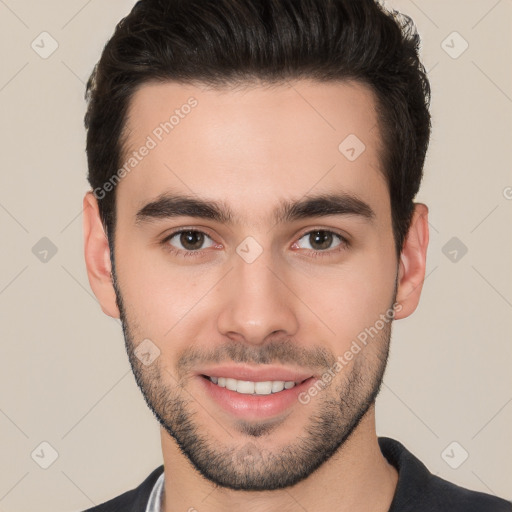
<point x="97" y="257"/>
<point x="412" y="265"/>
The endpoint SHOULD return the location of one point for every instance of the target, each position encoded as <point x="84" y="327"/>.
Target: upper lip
<point x="256" y="374"/>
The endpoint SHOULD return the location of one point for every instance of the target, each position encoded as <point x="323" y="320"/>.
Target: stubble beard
<point x="242" y="463"/>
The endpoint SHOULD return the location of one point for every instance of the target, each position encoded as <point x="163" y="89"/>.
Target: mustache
<point x="276" y="351"/>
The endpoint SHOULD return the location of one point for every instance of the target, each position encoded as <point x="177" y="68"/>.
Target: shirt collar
<point x="156" y="497"/>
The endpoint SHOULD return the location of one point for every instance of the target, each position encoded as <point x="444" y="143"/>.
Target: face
<point x="254" y="244"/>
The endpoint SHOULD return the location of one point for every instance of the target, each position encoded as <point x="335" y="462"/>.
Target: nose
<point x="257" y="302"/>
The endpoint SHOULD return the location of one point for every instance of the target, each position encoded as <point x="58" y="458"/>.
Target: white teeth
<point x="231" y="384"/>
<point x="248" y="387"/>
<point x="277" y="385"/>
<point x="245" y="386"/>
<point x="263" y="388"/>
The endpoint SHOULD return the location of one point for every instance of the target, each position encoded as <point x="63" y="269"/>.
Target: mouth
<point x="249" y="387"/>
<point x="254" y="394"/>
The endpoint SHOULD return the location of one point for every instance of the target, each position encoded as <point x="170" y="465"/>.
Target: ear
<point x="97" y="257"/>
<point x="411" y="273"/>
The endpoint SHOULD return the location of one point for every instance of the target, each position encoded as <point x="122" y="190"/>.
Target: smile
<point x="248" y="387"/>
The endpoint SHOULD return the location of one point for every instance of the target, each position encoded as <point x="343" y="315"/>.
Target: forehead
<point x="253" y="144"/>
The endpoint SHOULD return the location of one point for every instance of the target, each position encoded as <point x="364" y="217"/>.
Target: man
<point x="253" y="167"/>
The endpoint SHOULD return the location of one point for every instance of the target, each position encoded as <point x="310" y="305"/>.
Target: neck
<point x="356" y="478"/>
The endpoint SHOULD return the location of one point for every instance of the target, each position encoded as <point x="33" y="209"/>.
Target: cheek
<point x="351" y="298"/>
<point x="164" y="301"/>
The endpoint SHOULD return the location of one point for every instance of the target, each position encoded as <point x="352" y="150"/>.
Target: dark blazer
<point x="417" y="490"/>
<point x="131" y="501"/>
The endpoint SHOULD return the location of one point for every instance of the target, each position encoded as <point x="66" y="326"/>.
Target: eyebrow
<point x="177" y="205"/>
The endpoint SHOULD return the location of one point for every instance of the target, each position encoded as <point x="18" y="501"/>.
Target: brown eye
<point x="187" y="240"/>
<point x="322" y="240"/>
<point x="191" y="240"/>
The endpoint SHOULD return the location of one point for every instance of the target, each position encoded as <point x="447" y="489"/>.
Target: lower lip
<point x="254" y="406"/>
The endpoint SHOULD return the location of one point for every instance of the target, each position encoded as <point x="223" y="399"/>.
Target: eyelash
<point x="344" y="244"/>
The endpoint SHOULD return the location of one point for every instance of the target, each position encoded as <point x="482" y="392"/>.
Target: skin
<point x="251" y="147"/>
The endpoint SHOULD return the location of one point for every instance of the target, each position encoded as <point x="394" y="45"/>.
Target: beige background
<point x="64" y="375"/>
